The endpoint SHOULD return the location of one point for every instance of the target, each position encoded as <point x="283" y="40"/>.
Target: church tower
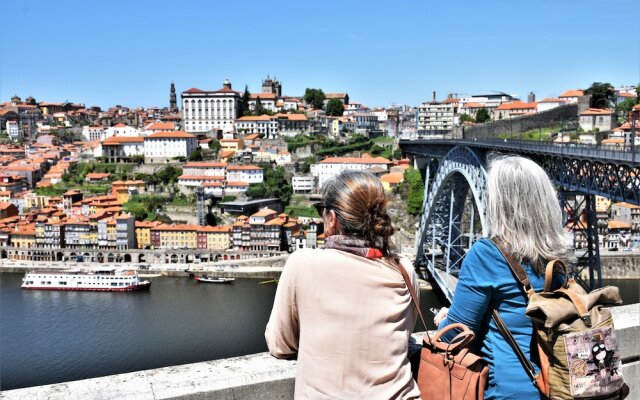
<point x="173" y="103"/>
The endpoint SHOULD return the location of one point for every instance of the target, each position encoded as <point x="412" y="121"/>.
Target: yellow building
<point x="175" y="236"/>
<point x="24" y="236"/>
<point x="143" y="233"/>
<point x="390" y="181"/>
<point x="602" y="203"/>
<point x="234" y="145"/>
<point x="215" y="237"/>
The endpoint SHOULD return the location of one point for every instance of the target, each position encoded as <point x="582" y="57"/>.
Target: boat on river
<point x="212" y="279"/>
<point x="99" y="280"/>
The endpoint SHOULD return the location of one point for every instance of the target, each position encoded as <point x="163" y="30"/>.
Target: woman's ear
<point x="332" y="227"/>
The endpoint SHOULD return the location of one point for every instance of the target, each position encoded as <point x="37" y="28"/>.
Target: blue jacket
<point x="486" y="283"/>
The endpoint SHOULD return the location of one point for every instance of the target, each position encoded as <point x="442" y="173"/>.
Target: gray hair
<point x="523" y="211"/>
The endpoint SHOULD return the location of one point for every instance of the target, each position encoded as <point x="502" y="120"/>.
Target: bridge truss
<point x="455" y="199"/>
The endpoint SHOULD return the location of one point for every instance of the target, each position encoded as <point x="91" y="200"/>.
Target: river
<point x="49" y="337"/>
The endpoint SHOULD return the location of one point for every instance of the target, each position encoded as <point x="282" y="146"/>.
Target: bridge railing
<point x="619" y="153"/>
<point x="260" y="376"/>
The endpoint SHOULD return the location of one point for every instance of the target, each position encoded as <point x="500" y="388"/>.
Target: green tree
<point x="482" y="115"/>
<point x="245" y="100"/>
<point x="314" y="97"/>
<point x="214" y="145"/>
<point x="137" y="159"/>
<point x="602" y="95"/>
<point x="625" y="106"/>
<point x="397" y="154"/>
<point x="466" y="118"/>
<point x="274" y="184"/>
<point x="259" y="109"/>
<point x="415" y="189"/>
<point x="196" y="155"/>
<point x="335" y="108"/>
<point x="138" y="210"/>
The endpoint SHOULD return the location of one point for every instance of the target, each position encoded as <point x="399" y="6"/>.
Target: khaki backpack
<point x="577" y="345"/>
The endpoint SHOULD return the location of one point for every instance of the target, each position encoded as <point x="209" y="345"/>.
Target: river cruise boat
<point x="102" y="280"/>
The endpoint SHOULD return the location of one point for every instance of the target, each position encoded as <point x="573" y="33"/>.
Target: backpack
<point x="576" y="340"/>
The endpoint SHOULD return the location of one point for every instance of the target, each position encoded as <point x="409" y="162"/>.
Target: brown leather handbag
<point x="447" y="370"/>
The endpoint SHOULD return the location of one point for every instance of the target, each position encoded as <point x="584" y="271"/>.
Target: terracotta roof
<point x="123" y="139"/>
<point x="229" y="140"/>
<point x="626" y="205"/>
<point x="242" y="167"/>
<point x="553" y="100"/>
<point x="264" y="212"/>
<point x="355" y="160"/>
<point x="626" y="94"/>
<point x="237" y="184"/>
<point x="263" y="117"/>
<point x="572" y="93"/>
<point x="517" y="105"/>
<point x="193" y="90"/>
<point x="5" y="204"/>
<point x="262" y="96"/>
<point x="204" y="164"/>
<point x="173" y="134"/>
<point x="473" y="105"/>
<point x="226" y="153"/>
<point x="252" y="136"/>
<point x="218" y="229"/>
<point x="120" y="125"/>
<point x="597" y="111"/>
<point x="212" y="184"/>
<point x="161" y="126"/>
<point x="392" y="178"/>
<point x="335" y="95"/>
<point x="201" y="178"/>
<point x="97" y="175"/>
<point x="176" y="227"/>
<point x="292" y="117"/>
<point x="618" y="225"/>
<point x="613" y="141"/>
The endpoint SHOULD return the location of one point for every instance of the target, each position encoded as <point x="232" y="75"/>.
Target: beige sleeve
<point x="283" y="331"/>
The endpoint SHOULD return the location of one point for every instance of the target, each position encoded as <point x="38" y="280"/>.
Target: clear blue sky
<point x="127" y="52"/>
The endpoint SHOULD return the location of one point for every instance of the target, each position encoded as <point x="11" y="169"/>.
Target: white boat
<point x="103" y="280"/>
<point x="207" y="279"/>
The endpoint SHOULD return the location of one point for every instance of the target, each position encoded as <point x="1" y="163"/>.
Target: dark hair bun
<point x="382" y="223"/>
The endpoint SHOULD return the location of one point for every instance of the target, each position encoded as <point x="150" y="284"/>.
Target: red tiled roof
<point x="204" y="164"/>
<point x="517" y="105"/>
<point x="123" y="139"/>
<point x="597" y="111"/>
<point x="355" y="160"/>
<point x="572" y="93"/>
<point x="173" y="134"/>
<point x="262" y="96"/>
<point x="263" y="117"/>
<point x="242" y="167"/>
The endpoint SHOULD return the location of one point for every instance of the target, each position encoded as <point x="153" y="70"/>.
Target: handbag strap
<point x="395" y="262"/>
<point x="523" y="279"/>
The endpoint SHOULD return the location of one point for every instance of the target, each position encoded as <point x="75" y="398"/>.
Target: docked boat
<point x="207" y="279"/>
<point x="103" y="280"/>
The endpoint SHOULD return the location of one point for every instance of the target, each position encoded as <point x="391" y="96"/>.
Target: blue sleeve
<point x="472" y="296"/>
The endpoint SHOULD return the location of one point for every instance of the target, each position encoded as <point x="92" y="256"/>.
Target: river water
<point x="49" y="337"/>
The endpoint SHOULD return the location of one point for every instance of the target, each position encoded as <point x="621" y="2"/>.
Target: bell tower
<point x="173" y="103"/>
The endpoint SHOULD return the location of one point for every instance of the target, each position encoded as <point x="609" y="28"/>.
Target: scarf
<point x="353" y="245"/>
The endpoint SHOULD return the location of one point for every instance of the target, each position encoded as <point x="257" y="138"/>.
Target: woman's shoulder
<point x="485" y="253"/>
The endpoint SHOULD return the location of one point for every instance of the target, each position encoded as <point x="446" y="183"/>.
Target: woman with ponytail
<point x="345" y="311"/>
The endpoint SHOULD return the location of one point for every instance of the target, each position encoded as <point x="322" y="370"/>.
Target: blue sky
<point x="380" y="52"/>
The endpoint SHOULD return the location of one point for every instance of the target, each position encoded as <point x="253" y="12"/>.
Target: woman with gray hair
<point x="524" y="216"/>
<point x="345" y="311"/>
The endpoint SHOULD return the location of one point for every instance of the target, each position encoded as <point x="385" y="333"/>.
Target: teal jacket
<point x="486" y="283"/>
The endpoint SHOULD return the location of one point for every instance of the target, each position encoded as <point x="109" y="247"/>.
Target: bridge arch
<point x="456" y="192"/>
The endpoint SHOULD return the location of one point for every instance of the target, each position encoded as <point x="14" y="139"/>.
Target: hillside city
<point x="235" y="173"/>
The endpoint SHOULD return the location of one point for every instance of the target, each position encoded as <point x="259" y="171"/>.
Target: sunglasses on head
<point x="320" y="208"/>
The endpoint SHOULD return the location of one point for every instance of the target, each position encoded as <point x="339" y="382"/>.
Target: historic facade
<point x="204" y="111"/>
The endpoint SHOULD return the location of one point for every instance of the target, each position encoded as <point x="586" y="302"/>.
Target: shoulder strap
<point x="522" y="277"/>
<point x="414" y="298"/>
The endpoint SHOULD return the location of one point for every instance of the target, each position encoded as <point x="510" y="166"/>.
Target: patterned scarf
<point x="353" y="245"/>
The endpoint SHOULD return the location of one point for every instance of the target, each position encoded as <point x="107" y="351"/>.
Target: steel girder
<point x="460" y="173"/>
<point x="618" y="182"/>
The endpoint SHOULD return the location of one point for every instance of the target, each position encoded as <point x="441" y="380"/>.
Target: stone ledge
<point x="256" y="376"/>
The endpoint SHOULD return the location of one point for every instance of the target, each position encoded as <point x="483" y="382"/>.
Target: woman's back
<point x="354" y="317"/>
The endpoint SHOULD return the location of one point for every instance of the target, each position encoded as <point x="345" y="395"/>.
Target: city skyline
<point x="379" y="55"/>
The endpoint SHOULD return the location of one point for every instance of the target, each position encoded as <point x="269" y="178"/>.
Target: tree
<point x="196" y="155"/>
<point x="214" y="145"/>
<point x="415" y="189"/>
<point x="274" y="184"/>
<point x="602" y="95"/>
<point x="335" y="108"/>
<point x="625" y="106"/>
<point x="245" y="100"/>
<point x="314" y="97"/>
<point x="466" y="118"/>
<point x="397" y="154"/>
<point x="482" y="115"/>
<point x="137" y="159"/>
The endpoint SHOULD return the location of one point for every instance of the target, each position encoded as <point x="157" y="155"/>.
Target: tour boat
<point x="103" y="280"/>
<point x="206" y="279"/>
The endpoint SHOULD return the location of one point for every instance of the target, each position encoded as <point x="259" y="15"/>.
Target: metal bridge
<point x="454" y="205"/>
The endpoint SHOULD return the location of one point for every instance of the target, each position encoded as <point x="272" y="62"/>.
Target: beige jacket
<point x="348" y="320"/>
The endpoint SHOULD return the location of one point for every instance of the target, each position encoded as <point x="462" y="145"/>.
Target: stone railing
<point x="260" y="376"/>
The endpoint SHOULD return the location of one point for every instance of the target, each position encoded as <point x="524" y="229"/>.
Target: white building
<point x="262" y="124"/>
<point x="303" y="184"/>
<point x="597" y="119"/>
<point x="120" y="130"/>
<point x="93" y="133"/>
<point x="121" y="148"/>
<point x="203" y="111"/>
<point x="282" y="158"/>
<point x="155" y="127"/>
<point x="244" y="173"/>
<point x="13" y="130"/>
<point x="551" y="103"/>
<point x="267" y="100"/>
<point x="365" y="122"/>
<point x="163" y="146"/>
<point x="572" y="95"/>
<point x="435" y="118"/>
<point x="204" y="168"/>
<point x="332" y="166"/>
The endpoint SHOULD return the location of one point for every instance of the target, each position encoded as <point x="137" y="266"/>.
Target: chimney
<point x="434" y="96"/>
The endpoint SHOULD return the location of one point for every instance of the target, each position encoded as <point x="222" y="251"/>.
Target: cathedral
<point x="272" y="86"/>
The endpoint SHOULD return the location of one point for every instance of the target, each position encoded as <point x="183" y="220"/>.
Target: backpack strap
<point x="515" y="267"/>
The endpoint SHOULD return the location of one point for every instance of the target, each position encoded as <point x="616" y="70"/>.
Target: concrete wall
<point x="259" y="376"/>
<point x="621" y="266"/>
<point x="566" y="116"/>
